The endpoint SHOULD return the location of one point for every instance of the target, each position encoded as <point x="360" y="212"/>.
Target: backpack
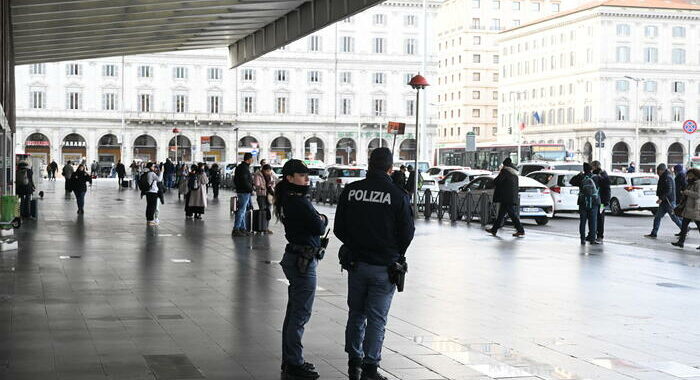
<point x="23" y="177"/>
<point x="193" y="183"/>
<point x="589" y="192"/>
<point x="144" y="185"/>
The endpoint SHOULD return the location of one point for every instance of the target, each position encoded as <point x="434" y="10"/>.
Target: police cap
<point x="294" y="166"/>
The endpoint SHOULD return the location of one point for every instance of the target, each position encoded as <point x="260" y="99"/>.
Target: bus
<point x="490" y="156"/>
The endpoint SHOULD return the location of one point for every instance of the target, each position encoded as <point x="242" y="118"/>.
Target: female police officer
<point x="303" y="227"/>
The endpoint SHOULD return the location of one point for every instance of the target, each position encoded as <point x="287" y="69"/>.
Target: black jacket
<point x="121" y="170"/>
<point x="603" y="186"/>
<point x="302" y="223"/>
<point x="374" y="220"/>
<point x="78" y="181"/>
<point x="666" y="189"/>
<point x="681" y="182"/>
<point x="243" y="179"/>
<point x="399" y="179"/>
<point x="22" y="189"/>
<point x="577" y="181"/>
<point x="507" y="188"/>
<point x="215" y="176"/>
<point x="411" y="182"/>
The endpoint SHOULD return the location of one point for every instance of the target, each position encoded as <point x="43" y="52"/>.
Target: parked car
<point x="345" y="174"/>
<point x="564" y="195"/>
<point x="528" y="167"/>
<point x="535" y="199"/>
<point x="316" y="174"/>
<point x="439" y="172"/>
<point x="632" y="191"/>
<point x="460" y="177"/>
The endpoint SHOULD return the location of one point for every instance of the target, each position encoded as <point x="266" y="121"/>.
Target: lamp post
<point x="176" y="132"/>
<point x="637" y="114"/>
<point x="418" y="83"/>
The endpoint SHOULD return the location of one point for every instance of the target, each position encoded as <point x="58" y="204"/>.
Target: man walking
<point x="374" y="221"/>
<point x="243" y="181"/>
<point x="666" y="192"/>
<point x="67" y="173"/>
<point x="507" y="195"/>
<point x="121" y="173"/>
<point x="605" y="195"/>
<point x="588" y="203"/>
<point x="169" y="174"/>
<point x="52" y="169"/>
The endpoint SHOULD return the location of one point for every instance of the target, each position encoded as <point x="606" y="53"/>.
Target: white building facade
<point x="325" y="97"/>
<point x="631" y="71"/>
<point x="468" y="65"/>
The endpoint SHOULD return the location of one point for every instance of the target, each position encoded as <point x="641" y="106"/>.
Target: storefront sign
<point x="37" y="143"/>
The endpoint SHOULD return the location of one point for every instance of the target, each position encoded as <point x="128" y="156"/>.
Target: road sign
<point x="690" y="126"/>
<point x="254" y="152"/>
<point x="396" y="128"/>
<point x="600" y="145"/>
<point x="600" y="136"/>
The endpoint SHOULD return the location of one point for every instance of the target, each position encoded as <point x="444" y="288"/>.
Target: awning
<point x="60" y="30"/>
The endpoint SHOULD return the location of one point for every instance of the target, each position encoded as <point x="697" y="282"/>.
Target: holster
<point x="397" y="274"/>
<point x="305" y="254"/>
<point x="345" y="258"/>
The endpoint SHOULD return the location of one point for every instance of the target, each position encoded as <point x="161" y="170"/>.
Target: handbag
<point x="678" y="210"/>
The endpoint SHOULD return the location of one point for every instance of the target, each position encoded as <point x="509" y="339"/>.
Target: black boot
<point x="354" y="369"/>
<point x="306" y="364"/>
<point x="369" y="372"/>
<point x="300" y="372"/>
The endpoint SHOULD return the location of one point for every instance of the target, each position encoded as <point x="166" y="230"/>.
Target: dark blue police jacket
<point x="302" y="224"/>
<point x="374" y="219"/>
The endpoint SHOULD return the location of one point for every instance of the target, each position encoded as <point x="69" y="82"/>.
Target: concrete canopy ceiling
<point x="61" y="30"/>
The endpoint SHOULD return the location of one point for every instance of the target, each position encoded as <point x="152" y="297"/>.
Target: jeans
<point x="151" y="204"/>
<point x="512" y="212"/>
<point x="243" y="204"/>
<point x="588" y="215"/>
<point x="369" y="299"/>
<point x="215" y="189"/>
<point x="301" y="292"/>
<point x="169" y="180"/>
<point x="665" y="207"/>
<point x="80" y="199"/>
<point x="684" y="228"/>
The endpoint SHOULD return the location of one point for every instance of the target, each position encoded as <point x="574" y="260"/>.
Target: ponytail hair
<point x="281" y="194"/>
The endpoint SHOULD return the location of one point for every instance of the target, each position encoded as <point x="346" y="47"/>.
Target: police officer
<point x="303" y="227"/>
<point x="375" y="223"/>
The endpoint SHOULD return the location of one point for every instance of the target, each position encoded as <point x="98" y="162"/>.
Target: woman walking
<point x="196" y="198"/>
<point x="303" y="227"/>
<point x="215" y="179"/>
<point x="264" y="185"/>
<point x="182" y="176"/>
<point x="78" y="183"/>
<point x="691" y="205"/>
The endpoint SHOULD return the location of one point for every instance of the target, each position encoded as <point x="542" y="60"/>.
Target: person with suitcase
<point x="78" y="184"/>
<point x="24" y="187"/>
<point x="303" y="228"/>
<point x="264" y="183"/>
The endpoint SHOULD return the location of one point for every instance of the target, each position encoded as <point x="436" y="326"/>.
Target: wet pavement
<point x="103" y="296"/>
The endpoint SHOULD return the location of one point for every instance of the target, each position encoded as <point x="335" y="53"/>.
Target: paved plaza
<point x="103" y="296"/>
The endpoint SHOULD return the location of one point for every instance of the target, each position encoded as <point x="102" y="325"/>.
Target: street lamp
<point x="418" y="83"/>
<point x="176" y="132"/>
<point x="637" y="114"/>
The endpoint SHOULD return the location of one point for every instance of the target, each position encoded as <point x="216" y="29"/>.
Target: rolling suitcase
<point x="33" y="208"/>
<point x="259" y="221"/>
<point x="126" y="183"/>
<point x="234" y="204"/>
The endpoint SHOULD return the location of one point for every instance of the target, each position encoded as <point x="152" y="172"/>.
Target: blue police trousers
<point x="301" y="291"/>
<point x="369" y="298"/>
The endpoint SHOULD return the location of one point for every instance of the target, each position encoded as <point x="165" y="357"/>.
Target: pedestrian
<point x="94" y="169"/>
<point x="588" y="203"/>
<point x="374" y="221"/>
<point x="148" y="185"/>
<point x="264" y="184"/>
<point x="411" y="182"/>
<point x="303" y="228"/>
<point x="182" y="181"/>
<point x="24" y="187"/>
<point x="215" y="179"/>
<point x="506" y="194"/>
<point x="169" y="174"/>
<point x="666" y="192"/>
<point x="196" y="198"/>
<point x="399" y="177"/>
<point x="243" y="181"/>
<point x="134" y="167"/>
<point x="679" y="180"/>
<point x="52" y="169"/>
<point x="67" y="173"/>
<point x="121" y="173"/>
<point x="605" y="196"/>
<point x="78" y="184"/>
<point x="631" y="168"/>
<point x="689" y="205"/>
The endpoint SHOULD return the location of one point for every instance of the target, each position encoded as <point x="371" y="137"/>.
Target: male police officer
<point x="375" y="223"/>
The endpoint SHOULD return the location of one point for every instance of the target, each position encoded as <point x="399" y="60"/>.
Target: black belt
<point x="302" y="249"/>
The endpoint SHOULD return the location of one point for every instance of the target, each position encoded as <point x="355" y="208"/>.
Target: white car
<point x="528" y="167"/>
<point x="345" y="174"/>
<point x="632" y="191"/>
<point x="422" y="165"/>
<point x="439" y="172"/>
<point x="535" y="199"/>
<point x="564" y="195"/>
<point x="316" y="174"/>
<point x="458" y="178"/>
